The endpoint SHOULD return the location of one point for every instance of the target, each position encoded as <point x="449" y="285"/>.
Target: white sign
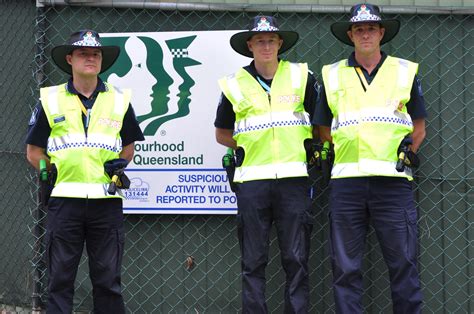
<point x="173" y="77"/>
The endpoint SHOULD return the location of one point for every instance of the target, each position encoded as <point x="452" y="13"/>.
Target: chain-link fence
<point x="155" y="278"/>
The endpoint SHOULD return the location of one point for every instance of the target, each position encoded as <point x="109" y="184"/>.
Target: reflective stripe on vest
<point x="80" y="159"/>
<point x="270" y="132"/>
<point x="368" y="127"/>
<point x="84" y="190"/>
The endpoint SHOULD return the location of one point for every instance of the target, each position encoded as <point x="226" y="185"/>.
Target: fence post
<point x="40" y="210"/>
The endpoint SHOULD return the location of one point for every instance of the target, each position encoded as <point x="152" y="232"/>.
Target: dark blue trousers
<point x="388" y="204"/>
<point x="287" y="203"/>
<point x="98" y="223"/>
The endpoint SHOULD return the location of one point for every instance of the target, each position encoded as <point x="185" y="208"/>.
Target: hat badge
<point x="363" y="11"/>
<point x="363" y="14"/>
<point x="264" y="25"/>
<point x="88" y="40"/>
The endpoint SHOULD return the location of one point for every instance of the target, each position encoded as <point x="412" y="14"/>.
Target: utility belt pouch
<point x="327" y="161"/>
<point x="313" y="154"/>
<point x="47" y="179"/>
<point x="229" y="164"/>
<point x="320" y="158"/>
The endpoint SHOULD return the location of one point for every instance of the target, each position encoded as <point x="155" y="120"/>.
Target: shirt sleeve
<point x="311" y="95"/>
<point x="130" y="131"/>
<point x="416" y="105"/>
<point x="38" y="128"/>
<point x="225" y="116"/>
<point x="322" y="114"/>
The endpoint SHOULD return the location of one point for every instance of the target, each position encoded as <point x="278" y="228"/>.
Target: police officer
<point x="264" y="114"/>
<point x="78" y="127"/>
<point x="369" y="103"/>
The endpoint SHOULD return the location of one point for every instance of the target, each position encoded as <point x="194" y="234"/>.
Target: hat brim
<point x="339" y="30"/>
<point x="109" y="56"/>
<point x="239" y="41"/>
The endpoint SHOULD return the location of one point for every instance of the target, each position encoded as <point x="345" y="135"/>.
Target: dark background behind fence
<point x="154" y="275"/>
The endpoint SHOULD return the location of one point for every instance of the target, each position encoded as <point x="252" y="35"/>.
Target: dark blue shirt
<point x="39" y="129"/>
<point x="415" y="106"/>
<point x="225" y="117"/>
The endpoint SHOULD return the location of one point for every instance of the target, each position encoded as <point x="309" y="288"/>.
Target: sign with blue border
<point x="173" y="77"/>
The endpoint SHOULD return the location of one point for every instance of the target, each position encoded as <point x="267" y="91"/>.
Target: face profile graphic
<point x="131" y="71"/>
<point x="140" y="67"/>
<point x="179" y="50"/>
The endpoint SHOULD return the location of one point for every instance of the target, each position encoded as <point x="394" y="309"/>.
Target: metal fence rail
<point x="154" y="276"/>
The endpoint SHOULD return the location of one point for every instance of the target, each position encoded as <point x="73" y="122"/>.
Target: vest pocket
<point x="239" y="156"/>
<point x="60" y="124"/>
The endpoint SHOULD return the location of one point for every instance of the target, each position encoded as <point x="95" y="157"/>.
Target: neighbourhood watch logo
<point x="153" y="69"/>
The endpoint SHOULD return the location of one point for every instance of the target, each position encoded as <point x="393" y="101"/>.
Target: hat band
<point x="366" y="18"/>
<point x="265" y="29"/>
<point x="87" y="43"/>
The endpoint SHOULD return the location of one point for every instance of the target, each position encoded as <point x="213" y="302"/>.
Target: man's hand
<point x="114" y="165"/>
<point x="115" y="169"/>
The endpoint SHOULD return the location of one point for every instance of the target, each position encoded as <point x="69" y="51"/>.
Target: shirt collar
<point x="101" y="87"/>
<point x="253" y="71"/>
<point x="353" y="63"/>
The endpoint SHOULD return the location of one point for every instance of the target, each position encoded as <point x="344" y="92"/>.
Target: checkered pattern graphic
<point x="85" y="145"/>
<point x="344" y="124"/>
<point x="179" y="52"/>
<point x="271" y="125"/>
<point x="265" y="28"/>
<point x="87" y="43"/>
<point x="55" y="148"/>
<point x="371" y="119"/>
<point x="365" y="17"/>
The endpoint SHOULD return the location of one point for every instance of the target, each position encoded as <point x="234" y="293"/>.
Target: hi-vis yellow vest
<point x="270" y="128"/>
<point x="80" y="158"/>
<point x="368" y="126"/>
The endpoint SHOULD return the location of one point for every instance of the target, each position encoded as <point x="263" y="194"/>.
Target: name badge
<point x="59" y="119"/>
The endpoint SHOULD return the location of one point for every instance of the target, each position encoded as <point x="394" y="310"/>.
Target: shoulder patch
<point x="34" y="116"/>
<point x="418" y="85"/>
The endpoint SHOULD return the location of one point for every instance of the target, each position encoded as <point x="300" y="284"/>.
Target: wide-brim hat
<point x="84" y="39"/>
<point x="262" y="24"/>
<point x="365" y="13"/>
